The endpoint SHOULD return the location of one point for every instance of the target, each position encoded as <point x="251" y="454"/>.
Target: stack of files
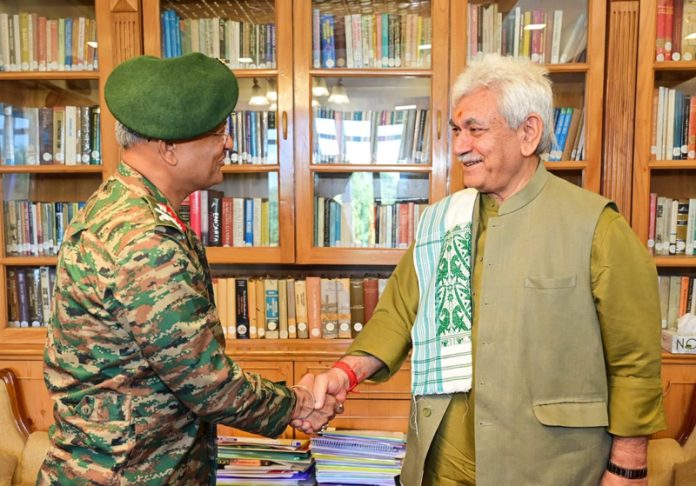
<point x="358" y="456"/>
<point x="260" y="461"/>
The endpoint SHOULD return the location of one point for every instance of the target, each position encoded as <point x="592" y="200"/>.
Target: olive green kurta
<point x="616" y="286"/>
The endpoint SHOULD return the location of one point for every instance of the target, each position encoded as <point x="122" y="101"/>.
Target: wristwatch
<point x="627" y="473"/>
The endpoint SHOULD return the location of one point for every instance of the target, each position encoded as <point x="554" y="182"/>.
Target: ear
<point x="166" y="152"/>
<point x="530" y="132"/>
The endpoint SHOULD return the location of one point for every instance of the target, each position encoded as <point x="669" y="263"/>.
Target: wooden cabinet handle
<point x="439" y="123"/>
<point x="284" y="122"/>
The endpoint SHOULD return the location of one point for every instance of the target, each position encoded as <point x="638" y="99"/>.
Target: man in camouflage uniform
<point x="135" y="356"/>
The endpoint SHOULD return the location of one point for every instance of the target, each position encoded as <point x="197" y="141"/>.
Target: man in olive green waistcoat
<point x="529" y="307"/>
<point x="135" y="357"/>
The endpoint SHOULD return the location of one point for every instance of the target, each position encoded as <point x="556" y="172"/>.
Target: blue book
<point x="20" y="135"/>
<point x="68" y="43"/>
<point x="328" y="49"/>
<point x="248" y="221"/>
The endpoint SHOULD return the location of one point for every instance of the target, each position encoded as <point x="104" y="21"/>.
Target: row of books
<point x="365" y="137"/>
<point x="33" y="42"/>
<point x="220" y="220"/>
<point x="569" y="132"/>
<point x="237" y="43"/>
<point x="30" y="295"/>
<point x="261" y="461"/>
<point x="393" y="225"/>
<point x="358" y="456"/>
<point x="255" y="137"/>
<point x="36" y="228"/>
<point x="676" y="298"/>
<point x="69" y="135"/>
<point x="535" y="34"/>
<point x="676" y="20"/>
<point x="288" y="308"/>
<point x="674" y="125"/>
<point x="671" y="227"/>
<point x="380" y="40"/>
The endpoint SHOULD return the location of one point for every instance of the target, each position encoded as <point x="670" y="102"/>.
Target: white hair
<point x="524" y="88"/>
<point x="126" y="137"/>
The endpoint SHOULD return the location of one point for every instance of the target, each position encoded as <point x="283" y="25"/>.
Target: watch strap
<point x="627" y="473"/>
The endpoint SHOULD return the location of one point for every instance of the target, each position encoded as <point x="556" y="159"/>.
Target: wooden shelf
<point x="675" y="261"/>
<point x="51" y="169"/>
<point x="367" y="73"/>
<point x="565" y="166"/>
<point x="249" y="168"/>
<point x="24" y="261"/>
<point x="684" y="66"/>
<point x="48" y="75"/>
<point x="672" y="164"/>
<point x="422" y="168"/>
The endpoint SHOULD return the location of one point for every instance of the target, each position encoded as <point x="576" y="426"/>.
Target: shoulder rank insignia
<point x="165" y="213"/>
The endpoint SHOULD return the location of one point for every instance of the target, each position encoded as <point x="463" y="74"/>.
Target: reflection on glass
<point x="675" y="38"/>
<point x="253" y="125"/>
<point x="380" y="125"/>
<point x="529" y="29"/>
<point x="242" y="211"/>
<point x="43" y="134"/>
<point x="368" y="210"/>
<point x="28" y="30"/>
<point x="36" y="216"/>
<point x="242" y="34"/>
<point x="370" y="34"/>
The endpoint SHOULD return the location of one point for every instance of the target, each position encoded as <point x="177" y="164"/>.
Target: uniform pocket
<point x="103" y="423"/>
<point x="573" y="414"/>
<point x="551" y="282"/>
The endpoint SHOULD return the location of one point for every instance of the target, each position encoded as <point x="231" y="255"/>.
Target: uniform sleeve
<point x="163" y="298"/>
<point x="387" y="335"/>
<point x="624" y="285"/>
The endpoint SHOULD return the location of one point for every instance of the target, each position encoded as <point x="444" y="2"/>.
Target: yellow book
<point x="231" y="309"/>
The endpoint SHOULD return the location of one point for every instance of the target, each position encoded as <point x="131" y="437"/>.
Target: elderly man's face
<point x="204" y="158"/>
<point x="489" y="150"/>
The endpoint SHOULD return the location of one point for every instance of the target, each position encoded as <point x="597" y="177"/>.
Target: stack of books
<point x="358" y="456"/>
<point x="260" y="461"/>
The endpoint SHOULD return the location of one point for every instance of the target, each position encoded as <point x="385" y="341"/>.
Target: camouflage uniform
<point x="135" y="353"/>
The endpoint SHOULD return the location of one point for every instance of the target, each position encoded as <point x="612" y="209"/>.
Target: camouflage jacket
<point x="135" y="357"/>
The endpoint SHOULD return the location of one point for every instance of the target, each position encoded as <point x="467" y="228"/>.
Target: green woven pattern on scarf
<point x="453" y="284"/>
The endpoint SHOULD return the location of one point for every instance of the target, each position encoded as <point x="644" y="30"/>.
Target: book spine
<point x="242" y="310"/>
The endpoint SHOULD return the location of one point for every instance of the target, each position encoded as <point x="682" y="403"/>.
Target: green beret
<point x="171" y="99"/>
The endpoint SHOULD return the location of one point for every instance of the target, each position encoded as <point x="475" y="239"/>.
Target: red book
<point x="195" y="204"/>
<point x="314" y="307"/>
<point x="227" y="221"/>
<point x="370" y="297"/>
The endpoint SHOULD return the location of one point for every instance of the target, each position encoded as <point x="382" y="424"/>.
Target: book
<point x="329" y="309"/>
<point x="343" y="307"/>
<point x="283" y="309"/>
<point x="370" y="296"/>
<point x="291" y="303"/>
<point x="242" y="309"/>
<point x="313" y="305"/>
<point x="357" y="308"/>
<point x="272" y="312"/>
<point x="301" y="309"/>
<point x="260" y="308"/>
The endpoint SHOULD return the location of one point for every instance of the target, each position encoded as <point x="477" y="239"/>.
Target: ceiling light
<point x="338" y="95"/>
<point x="319" y="87"/>
<point x="271" y="91"/>
<point x="258" y="98"/>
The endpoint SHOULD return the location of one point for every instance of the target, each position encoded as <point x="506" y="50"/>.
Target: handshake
<point x="319" y="399"/>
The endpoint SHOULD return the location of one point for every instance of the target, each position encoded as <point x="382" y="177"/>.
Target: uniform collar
<point x="138" y="183"/>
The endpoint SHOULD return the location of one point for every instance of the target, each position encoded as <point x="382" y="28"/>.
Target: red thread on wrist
<point x="352" y="377"/>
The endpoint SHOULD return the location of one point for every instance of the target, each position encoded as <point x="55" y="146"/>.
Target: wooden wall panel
<point x="619" y="108"/>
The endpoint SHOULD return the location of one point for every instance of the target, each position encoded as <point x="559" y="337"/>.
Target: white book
<point x="4" y="42"/>
<point x="81" y="27"/>
<point x="574" y="43"/>
<point x="32" y="114"/>
<point x="215" y="36"/>
<point x="516" y="37"/>
<point x="195" y="35"/>
<point x="348" y="22"/>
<point x="669" y="133"/>
<point x="690" y="225"/>
<point x="556" y="36"/>
<point x="32" y="37"/>
<point x="659" y="121"/>
<point x="238" y="222"/>
<point x="674" y="211"/>
<point x="17" y="44"/>
<point x="70" y="125"/>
